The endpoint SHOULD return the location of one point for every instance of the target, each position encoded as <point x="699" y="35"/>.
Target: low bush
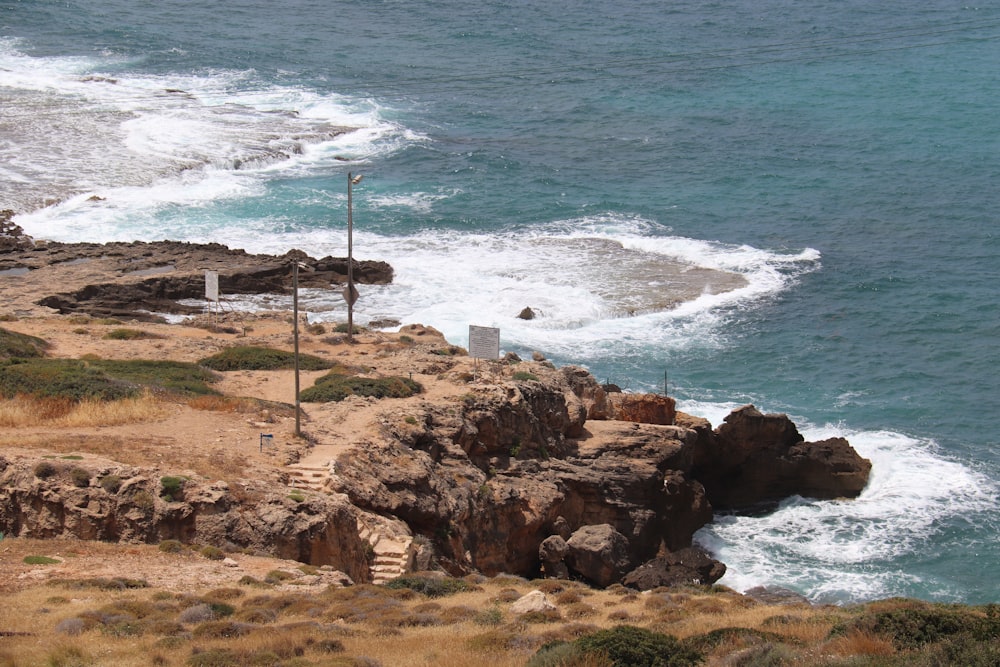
<point x="171" y="547"/>
<point x="212" y="553"/>
<point x="61" y="378"/>
<point x="80" y="477"/>
<point x="111" y="483"/>
<point x="631" y="646"/>
<point x="40" y="560"/>
<point x="252" y="358"/>
<point x="45" y="469"/>
<point x="336" y="386"/>
<point x="913" y="624"/>
<point x="431" y="586"/>
<point x="130" y="334"/>
<point x="171" y="487"/>
<point x="22" y="346"/>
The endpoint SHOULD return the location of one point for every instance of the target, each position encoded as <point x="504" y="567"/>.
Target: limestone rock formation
<point x="687" y="566"/>
<point x="491" y="479"/>
<point x="755" y="458"/>
<point x="131" y="279"/>
<point x="321" y="530"/>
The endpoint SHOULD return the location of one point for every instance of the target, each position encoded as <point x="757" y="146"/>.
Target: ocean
<point x="790" y="204"/>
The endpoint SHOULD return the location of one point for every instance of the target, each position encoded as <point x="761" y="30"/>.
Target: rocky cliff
<point x="546" y="475"/>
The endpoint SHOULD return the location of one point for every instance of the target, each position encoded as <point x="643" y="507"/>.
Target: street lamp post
<point x="295" y="336"/>
<point x="295" y="329"/>
<point x="350" y="295"/>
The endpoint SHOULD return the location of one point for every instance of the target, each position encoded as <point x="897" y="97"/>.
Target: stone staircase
<point x="391" y="543"/>
<point x="393" y="554"/>
<point x="309" y="477"/>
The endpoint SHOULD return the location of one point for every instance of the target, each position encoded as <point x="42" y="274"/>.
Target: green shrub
<point x="631" y="646"/>
<point x="915" y="624"/>
<point x="45" y="469"/>
<point x="40" y="560"/>
<point x="171" y="487"/>
<point x="212" y="553"/>
<point x="337" y="386"/>
<point x="216" y="657"/>
<point x="62" y="378"/>
<point x="80" y="477"/>
<point x="171" y="546"/>
<point x="130" y="334"/>
<point x="297" y="496"/>
<point x="22" y="346"/>
<point x="277" y="576"/>
<point x="111" y="483"/>
<point x="523" y="376"/>
<point x="491" y="617"/>
<point x="252" y="358"/>
<point x="431" y="586"/>
<point x="100" y="379"/>
<point x="565" y="654"/>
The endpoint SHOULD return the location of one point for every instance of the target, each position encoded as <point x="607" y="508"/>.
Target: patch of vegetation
<point x="212" y="553"/>
<point x="342" y="328"/>
<point x="524" y="376"/>
<point x="21" y="346"/>
<point x="45" y="469"/>
<point x="40" y="560"/>
<point x="80" y="477"/>
<point x="171" y="546"/>
<point x="913" y="624"/>
<point x="431" y="586"/>
<point x="252" y="358"/>
<point x="630" y="646"/>
<point x="62" y="378"/>
<point x="337" y="386"/>
<point x="177" y="377"/>
<point x="131" y="334"/>
<point x="172" y="487"/>
<point x="101" y="583"/>
<point x="297" y="496"/>
<point x="111" y="483"/>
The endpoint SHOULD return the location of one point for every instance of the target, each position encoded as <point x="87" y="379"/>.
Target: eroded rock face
<point x="492" y="479"/>
<point x="687" y="566"/>
<point x="321" y="530"/>
<point x="755" y="458"/>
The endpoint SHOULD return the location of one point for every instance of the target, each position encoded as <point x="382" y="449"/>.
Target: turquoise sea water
<point x="842" y="157"/>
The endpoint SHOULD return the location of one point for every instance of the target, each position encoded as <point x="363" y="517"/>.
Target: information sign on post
<point x="212" y="285"/>
<point x="484" y="342"/>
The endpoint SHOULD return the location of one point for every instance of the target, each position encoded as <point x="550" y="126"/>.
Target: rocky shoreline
<point x="532" y="470"/>
<point x="143" y="280"/>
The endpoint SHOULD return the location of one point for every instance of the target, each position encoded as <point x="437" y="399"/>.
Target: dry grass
<point x="232" y="623"/>
<point x="24" y="412"/>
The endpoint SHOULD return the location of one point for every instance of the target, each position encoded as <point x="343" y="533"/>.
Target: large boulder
<point x="599" y="554"/>
<point x="687" y="566"/>
<point x="643" y="408"/>
<point x="755" y="458"/>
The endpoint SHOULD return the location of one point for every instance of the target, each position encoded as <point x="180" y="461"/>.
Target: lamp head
<point x="355" y="179"/>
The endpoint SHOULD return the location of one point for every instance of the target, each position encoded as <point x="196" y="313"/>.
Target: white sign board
<point x="212" y="285"/>
<point x="484" y="342"/>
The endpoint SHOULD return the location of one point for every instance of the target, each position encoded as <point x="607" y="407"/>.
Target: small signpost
<point x="484" y="343"/>
<point x="266" y="439"/>
<point x="212" y="285"/>
<point x="212" y="291"/>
